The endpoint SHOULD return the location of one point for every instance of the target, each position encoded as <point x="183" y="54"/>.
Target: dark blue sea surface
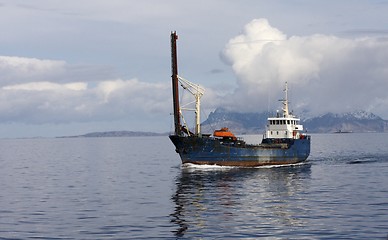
<point x="136" y="188"/>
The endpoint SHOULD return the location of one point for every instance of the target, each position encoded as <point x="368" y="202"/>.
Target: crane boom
<point x="197" y="91"/>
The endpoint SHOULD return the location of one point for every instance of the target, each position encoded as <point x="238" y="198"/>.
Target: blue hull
<point x="213" y="151"/>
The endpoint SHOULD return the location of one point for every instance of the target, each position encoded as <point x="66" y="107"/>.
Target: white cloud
<point x="19" y="70"/>
<point x="16" y="69"/>
<point x="41" y="102"/>
<point x="47" y="86"/>
<point x="110" y="42"/>
<point x="131" y="97"/>
<point x="325" y="73"/>
<point x="29" y="65"/>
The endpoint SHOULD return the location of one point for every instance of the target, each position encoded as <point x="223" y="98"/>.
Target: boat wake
<point x="205" y="167"/>
<point x="361" y="161"/>
<point x="285" y="165"/>
<point x="213" y="167"/>
<point x="352" y="159"/>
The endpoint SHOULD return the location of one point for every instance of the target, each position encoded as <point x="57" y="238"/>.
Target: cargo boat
<point x="283" y="141"/>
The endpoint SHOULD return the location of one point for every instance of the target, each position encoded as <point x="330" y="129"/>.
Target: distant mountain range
<point x="359" y="121"/>
<point x="253" y="123"/>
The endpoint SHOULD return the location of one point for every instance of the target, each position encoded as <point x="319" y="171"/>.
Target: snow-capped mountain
<point x="254" y="123"/>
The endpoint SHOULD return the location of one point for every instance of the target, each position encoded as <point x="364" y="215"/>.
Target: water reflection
<point x="239" y="200"/>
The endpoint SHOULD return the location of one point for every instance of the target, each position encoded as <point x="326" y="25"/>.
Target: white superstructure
<point x="285" y="124"/>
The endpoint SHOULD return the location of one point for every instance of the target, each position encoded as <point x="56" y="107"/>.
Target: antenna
<point x="285" y="102"/>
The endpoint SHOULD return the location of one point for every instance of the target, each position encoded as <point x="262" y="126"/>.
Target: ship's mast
<point x="175" y="85"/>
<point x="285" y="102"/>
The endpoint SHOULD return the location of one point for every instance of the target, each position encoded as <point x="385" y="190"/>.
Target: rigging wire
<point x="212" y="128"/>
<point x="172" y="126"/>
<point x="181" y="97"/>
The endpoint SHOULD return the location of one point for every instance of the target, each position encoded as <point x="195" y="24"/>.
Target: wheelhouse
<point x="285" y="125"/>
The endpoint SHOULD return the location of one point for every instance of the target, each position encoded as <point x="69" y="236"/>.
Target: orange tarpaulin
<point x="224" y="133"/>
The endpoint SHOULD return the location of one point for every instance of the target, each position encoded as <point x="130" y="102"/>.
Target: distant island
<point x="117" y="134"/>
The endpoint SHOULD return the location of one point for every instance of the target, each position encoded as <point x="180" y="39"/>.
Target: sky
<point x="73" y="67"/>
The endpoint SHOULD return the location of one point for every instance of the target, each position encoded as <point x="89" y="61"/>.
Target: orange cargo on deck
<point x="224" y="133"/>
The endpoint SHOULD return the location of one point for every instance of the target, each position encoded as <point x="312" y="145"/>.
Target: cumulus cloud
<point x="15" y="70"/>
<point x="325" y="72"/>
<point x="26" y="99"/>
<point x="46" y="86"/>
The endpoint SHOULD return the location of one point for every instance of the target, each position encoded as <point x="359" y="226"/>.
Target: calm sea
<point x="136" y="188"/>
